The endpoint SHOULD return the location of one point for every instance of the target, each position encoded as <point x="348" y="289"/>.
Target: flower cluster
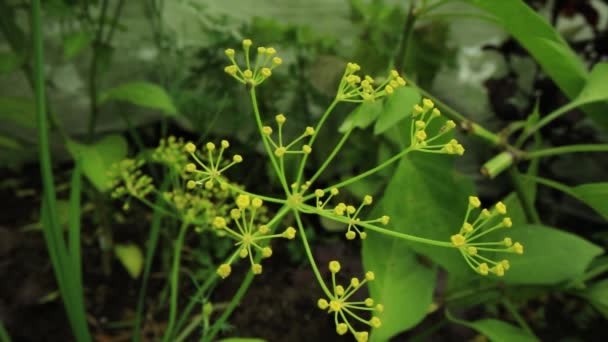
<point x="248" y="234"/>
<point x="349" y="212"/>
<point x="212" y="167"/>
<point x="279" y="148"/>
<point x="340" y="303"/>
<point x="422" y="116"/>
<point x="486" y="222"/>
<point x="170" y="151"/>
<point x="254" y="73"/>
<point x="127" y="180"/>
<point x="353" y="88"/>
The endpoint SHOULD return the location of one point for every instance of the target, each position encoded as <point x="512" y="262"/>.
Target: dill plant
<point x="201" y="171"/>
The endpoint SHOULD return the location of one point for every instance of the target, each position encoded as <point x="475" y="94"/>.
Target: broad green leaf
<point x="597" y="294"/>
<point x="546" y="46"/>
<point x="594" y="195"/>
<point x="550" y="255"/>
<point x="18" y="110"/>
<point x="362" y="116"/>
<point x="9" y="143"/>
<point x="143" y="94"/>
<point x="403" y="285"/>
<point x="596" y="88"/>
<point x="131" y="257"/>
<point x="97" y="158"/>
<point x="397" y="107"/>
<point x="428" y="199"/>
<point x="496" y="331"/>
<point x="75" y="42"/>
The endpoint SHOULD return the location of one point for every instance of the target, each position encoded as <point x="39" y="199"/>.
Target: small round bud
<point x="507" y="242"/>
<point x="363" y="235"/>
<point x="190" y="147"/>
<point x="270" y="51"/>
<point x="319" y="193"/>
<point x="235" y="214"/>
<point x="209" y="185"/>
<point x="380" y="308"/>
<point x="420" y="124"/>
<point x="421" y="135"/>
<point x="427" y="104"/>
<point x="334" y="266"/>
<point x="375" y="322"/>
<point x="309" y="131"/>
<point x="225" y="144"/>
<point x="306" y="149"/>
<point x="458" y="240"/>
<point x="370" y="276"/>
<point x="219" y="222"/>
<point x="248" y="73"/>
<point x="289" y="233"/>
<point x="224" y="270"/>
<point x="277" y="61"/>
<point x="263" y="229"/>
<point x="518" y="248"/>
<point x="243" y="201"/>
<point x="435" y="113"/>
<point x="369" y="302"/>
<point x="322" y="304"/>
<point x="341" y="328"/>
<point x="385" y="219"/>
<point x="280" y="151"/>
<point x="474" y="201"/>
<point x="191" y="184"/>
<point x="334" y="191"/>
<point x="507" y="222"/>
<point x="350" y="235"/>
<point x="354" y="282"/>
<point x="231" y="69"/>
<point x="467" y="227"/>
<point x="190" y="167"/>
<point x="237" y="158"/>
<point x="483" y="268"/>
<point x="501" y="208"/>
<point x="210" y="146"/>
<point x="229" y="52"/>
<point x="261" y="50"/>
<point x="256" y="269"/>
<point x="243" y="253"/>
<point x="339" y="290"/>
<point x="472" y="250"/>
<point x="266" y="130"/>
<point x="247" y="43"/>
<point x="367" y="200"/>
<point x="280" y="118"/>
<point x="266" y="252"/>
<point x="389" y="90"/>
<point x="266" y="72"/>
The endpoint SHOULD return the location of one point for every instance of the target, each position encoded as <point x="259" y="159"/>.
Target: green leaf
<point x="597" y="295"/>
<point x="428" y="199"/>
<point x="9" y="143"/>
<point x="550" y="255"/>
<point x="596" y="88"/>
<point x="242" y="339"/>
<point x="403" y="285"/>
<point x="18" y="110"/>
<point x="143" y="94"/>
<point x="546" y="46"/>
<point x="75" y="42"/>
<point x="495" y="330"/>
<point x="594" y="195"/>
<point x="362" y="116"/>
<point x="97" y="158"/>
<point x="131" y="257"/>
<point x="397" y="107"/>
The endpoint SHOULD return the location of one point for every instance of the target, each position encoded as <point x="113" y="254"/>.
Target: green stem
<point x="177" y="251"/>
<point x="328" y="214"/>
<point x="566" y="149"/>
<point x="408" y="28"/>
<point x="545" y="121"/>
<point x="258" y="119"/>
<point x="513" y="311"/>
<point x="236" y="299"/>
<point x="314" y="137"/>
<point x="331" y="156"/>
<point x="553" y="184"/>
<point x="265" y="198"/>
<point x="525" y="200"/>
<point x="309" y="255"/>
<point x="93" y="68"/>
<point x="371" y="171"/>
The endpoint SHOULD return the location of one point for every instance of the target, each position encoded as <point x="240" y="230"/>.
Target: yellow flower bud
<point x="266" y="72"/>
<point x="369" y="302"/>
<point x="237" y="158"/>
<point x="334" y="266"/>
<point x="472" y="250"/>
<point x="427" y="104"/>
<point x="354" y="282"/>
<point x="435" y="112"/>
<point x="247" y="43"/>
<point x="256" y="268"/>
<point x="362" y="336"/>
<point x="306" y="149"/>
<point x="261" y="50"/>
<point x="518" y="248"/>
<point x="263" y="229"/>
<point x="507" y="222"/>
<point x="289" y="233"/>
<point x="370" y="276"/>
<point x="389" y="90"/>
<point x="190" y="167"/>
<point x="266" y="130"/>
<point x="243" y="201"/>
<point x="334" y="191"/>
<point x="367" y="200"/>
<point x="341" y="328"/>
<point x="225" y="144"/>
<point x="266" y="252"/>
<point x="224" y="270"/>
<point x="231" y="69"/>
<point x="483" y="268"/>
<point x="319" y="193"/>
<point x="505" y="264"/>
<point x="375" y="322"/>
<point x="363" y="235"/>
<point x="210" y="146"/>
<point x="309" y="131"/>
<point x="322" y="304"/>
<point x="191" y="184"/>
<point x="507" y="242"/>
<point x="209" y="185"/>
<point x="280" y="151"/>
<point x="229" y="52"/>
<point x="271" y="51"/>
<point x="280" y="119"/>
<point x="467" y="227"/>
<point x="235" y="214"/>
<point x="474" y="201"/>
<point x="190" y="147"/>
<point x="248" y="73"/>
<point x="421" y="135"/>
<point x="219" y="222"/>
<point x="350" y="235"/>
<point x="339" y="290"/>
<point x="420" y="124"/>
<point x="458" y="240"/>
<point x="277" y="61"/>
<point x="385" y="219"/>
<point x="256" y="203"/>
<point x="501" y="208"/>
<point x="243" y="253"/>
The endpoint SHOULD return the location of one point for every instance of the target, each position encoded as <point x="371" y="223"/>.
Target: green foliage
<point x="142" y="94"/>
<point x="97" y="158"/>
<point x="131" y="258"/>
<point x="393" y="112"/>
<point x="496" y="330"/>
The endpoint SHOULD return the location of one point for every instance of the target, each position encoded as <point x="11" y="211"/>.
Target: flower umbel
<point x="127" y="179"/>
<point x="248" y="234"/>
<point x="281" y="150"/>
<point x="421" y="140"/>
<point x="253" y="74"/>
<point x="353" y="88"/>
<point x="343" y="307"/>
<point x="486" y="222"/>
<point x="212" y="168"/>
